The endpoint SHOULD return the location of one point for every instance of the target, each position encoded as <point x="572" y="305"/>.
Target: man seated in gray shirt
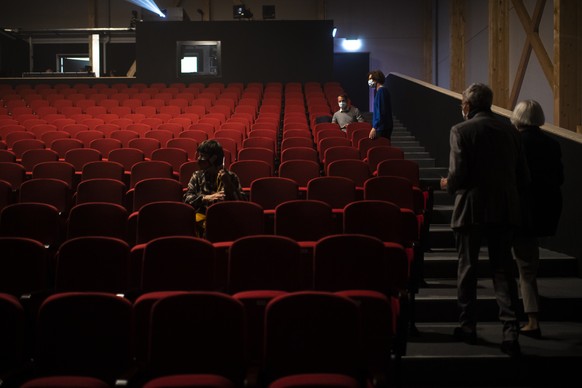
<point x="347" y="113"/>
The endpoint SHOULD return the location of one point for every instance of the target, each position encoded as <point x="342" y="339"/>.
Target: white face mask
<point x="343" y="105"/>
<point x="371" y="83"/>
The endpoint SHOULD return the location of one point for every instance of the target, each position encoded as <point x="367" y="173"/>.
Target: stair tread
<point x="560" y="339"/>
<point x="549" y="287"/>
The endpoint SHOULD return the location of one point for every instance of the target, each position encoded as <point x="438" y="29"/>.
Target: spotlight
<point x="241" y="12"/>
<point x="150" y="5"/>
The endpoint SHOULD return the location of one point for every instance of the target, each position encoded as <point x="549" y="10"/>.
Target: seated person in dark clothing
<point x="212" y="183"/>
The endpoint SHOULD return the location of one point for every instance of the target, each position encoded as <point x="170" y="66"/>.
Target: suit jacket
<point x="544" y="159"/>
<point x="487" y="172"/>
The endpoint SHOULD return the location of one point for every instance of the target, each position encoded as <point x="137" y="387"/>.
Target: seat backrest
<point x="338" y="153"/>
<point x="296" y="142"/>
<point x="62" y="145"/>
<point x="127" y="157"/>
<point x="124" y="136"/>
<point x="377" y="154"/>
<point x="146" y="144"/>
<point x="56" y="169"/>
<point x="92" y="263"/>
<point x="364" y="144"/>
<point x="51" y="191"/>
<point x="165" y="218"/>
<point x="309" y="332"/>
<point x="257" y="153"/>
<point x="104" y="146"/>
<point x="197" y="332"/>
<point x="23" y="145"/>
<point x="299" y="153"/>
<point x="249" y="170"/>
<point x="301" y="171"/>
<point x="78" y="157"/>
<point x="230" y="220"/>
<point x="332" y="141"/>
<point x="186" y="171"/>
<point x="271" y="191"/>
<point x="150" y="190"/>
<point x="400" y="167"/>
<point x="84" y="333"/>
<point x="390" y="188"/>
<point x="175" y="156"/>
<point x="336" y="191"/>
<point x="264" y="262"/>
<point x="325" y="133"/>
<point x="354" y="169"/>
<point x="13" y="173"/>
<point x="303" y="220"/>
<point x="24" y="266"/>
<point x="261" y="142"/>
<point x="352" y="262"/>
<point x="381" y="219"/>
<point x="13" y="352"/>
<point x="177" y="263"/>
<point x="33" y="157"/>
<point x="101" y="190"/>
<point x="88" y="136"/>
<point x="38" y="221"/>
<point x="150" y="169"/>
<point x="97" y="219"/>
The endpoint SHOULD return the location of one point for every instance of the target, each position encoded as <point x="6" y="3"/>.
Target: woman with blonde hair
<point x="543" y="204"/>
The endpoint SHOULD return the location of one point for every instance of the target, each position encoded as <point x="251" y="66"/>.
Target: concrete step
<point x="560" y="299"/>
<point x="441" y="236"/>
<point x="404" y="143"/>
<point x="412" y="149"/>
<point x="445" y="362"/>
<point x="422" y="162"/>
<point x="441" y="263"/>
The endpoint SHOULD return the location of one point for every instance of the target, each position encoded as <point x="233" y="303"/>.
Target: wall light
<point x="334" y="32"/>
<point x="352" y="44"/>
<point x="150" y="5"/>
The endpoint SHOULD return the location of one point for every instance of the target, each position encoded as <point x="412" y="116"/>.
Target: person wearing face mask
<point x="488" y="175"/>
<point x="212" y="183"/>
<point x="347" y="113"/>
<point x="382" y="124"/>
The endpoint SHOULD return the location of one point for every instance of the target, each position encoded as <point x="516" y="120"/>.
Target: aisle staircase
<point x="434" y="358"/>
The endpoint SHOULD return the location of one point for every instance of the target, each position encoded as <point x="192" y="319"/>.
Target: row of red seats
<point x="91" y="339"/>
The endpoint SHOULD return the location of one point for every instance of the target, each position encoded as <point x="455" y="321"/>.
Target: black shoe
<point x="468" y="336"/>
<point x="511" y="348"/>
<point x="535" y="333"/>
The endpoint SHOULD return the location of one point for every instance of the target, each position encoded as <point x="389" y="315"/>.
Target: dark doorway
<point x="351" y="70"/>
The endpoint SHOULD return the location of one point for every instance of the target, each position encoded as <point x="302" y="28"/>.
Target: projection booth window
<point x="198" y="58"/>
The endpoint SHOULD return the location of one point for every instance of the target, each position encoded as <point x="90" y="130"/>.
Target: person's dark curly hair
<point x="212" y="151"/>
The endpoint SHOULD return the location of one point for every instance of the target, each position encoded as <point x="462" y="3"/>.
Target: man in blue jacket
<point x="382" y="116"/>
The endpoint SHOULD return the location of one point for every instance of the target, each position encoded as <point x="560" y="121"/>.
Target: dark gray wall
<point x="280" y="51"/>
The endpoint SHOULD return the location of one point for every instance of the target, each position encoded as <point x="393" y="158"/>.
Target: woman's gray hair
<point x="528" y="113"/>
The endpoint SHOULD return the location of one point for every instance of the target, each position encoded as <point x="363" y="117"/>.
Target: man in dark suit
<point x="487" y="173"/>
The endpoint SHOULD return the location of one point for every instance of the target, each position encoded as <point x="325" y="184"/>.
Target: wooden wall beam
<point x="531" y="29"/>
<point x="428" y="27"/>
<point x="568" y="62"/>
<point x="535" y="41"/>
<point x="458" y="45"/>
<point x="499" y="51"/>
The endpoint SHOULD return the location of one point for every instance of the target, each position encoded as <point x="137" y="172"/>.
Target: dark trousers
<point x="499" y="241"/>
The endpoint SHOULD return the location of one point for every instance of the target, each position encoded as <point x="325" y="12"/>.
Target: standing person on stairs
<point x="487" y="174"/>
<point x="382" y="124"/>
<point x="543" y="204"/>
